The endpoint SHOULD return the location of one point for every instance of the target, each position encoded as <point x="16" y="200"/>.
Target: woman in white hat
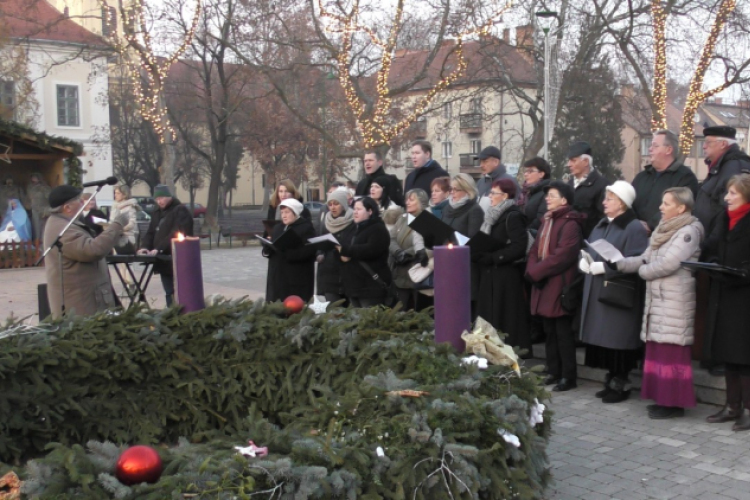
<point x="291" y="271"/>
<point x="613" y="302"/>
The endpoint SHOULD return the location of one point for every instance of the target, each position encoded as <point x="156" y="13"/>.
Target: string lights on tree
<point x="659" y="115"/>
<point x="373" y="121"/>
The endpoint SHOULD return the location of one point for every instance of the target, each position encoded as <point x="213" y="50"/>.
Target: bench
<point x="243" y="229"/>
<point x="198" y="230"/>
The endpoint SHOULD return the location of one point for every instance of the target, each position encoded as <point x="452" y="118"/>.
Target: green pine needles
<point x="313" y="389"/>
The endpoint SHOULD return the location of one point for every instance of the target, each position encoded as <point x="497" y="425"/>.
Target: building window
<point x="67" y="106"/>
<point x="447" y="149"/>
<point x="7" y="99"/>
<point x="476" y="146"/>
<point x="448" y="110"/>
<point x="645" y="144"/>
<point x="475" y="105"/>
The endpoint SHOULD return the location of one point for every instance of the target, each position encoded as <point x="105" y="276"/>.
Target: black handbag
<point x="619" y="292"/>
<point x="391" y="297"/>
<point x="572" y="294"/>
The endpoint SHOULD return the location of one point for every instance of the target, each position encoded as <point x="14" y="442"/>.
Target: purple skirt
<point x="668" y="375"/>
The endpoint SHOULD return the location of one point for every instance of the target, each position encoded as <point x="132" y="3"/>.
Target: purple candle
<point x="188" y="274"/>
<point x="452" y="294"/>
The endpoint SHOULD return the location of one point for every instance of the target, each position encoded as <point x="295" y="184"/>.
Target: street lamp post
<point x="547" y="15"/>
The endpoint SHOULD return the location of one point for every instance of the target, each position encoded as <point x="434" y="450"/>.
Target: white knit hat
<point x="624" y="191"/>
<point x="293" y="204"/>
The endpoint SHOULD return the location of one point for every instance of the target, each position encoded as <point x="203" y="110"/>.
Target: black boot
<point x="733" y="408"/>
<point x="620" y="390"/>
<point x="606" y="390"/>
<point x="742" y="423"/>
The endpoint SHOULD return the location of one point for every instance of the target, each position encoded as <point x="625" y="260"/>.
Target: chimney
<point x="66" y="12"/>
<point x="506" y="36"/>
<point x="525" y="36"/>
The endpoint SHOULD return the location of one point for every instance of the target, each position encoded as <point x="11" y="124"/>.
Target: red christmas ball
<point x="138" y="464"/>
<point x="294" y="304"/>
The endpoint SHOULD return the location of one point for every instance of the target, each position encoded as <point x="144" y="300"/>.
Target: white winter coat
<point x="130" y="231"/>
<point x="669" y="312"/>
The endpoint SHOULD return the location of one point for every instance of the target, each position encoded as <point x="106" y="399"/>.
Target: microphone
<point x="111" y="181"/>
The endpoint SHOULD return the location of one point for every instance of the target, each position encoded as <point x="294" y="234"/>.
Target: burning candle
<point x="452" y="294"/>
<point x="188" y="273"/>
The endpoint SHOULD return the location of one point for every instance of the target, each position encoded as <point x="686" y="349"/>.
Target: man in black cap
<point x="373" y="161"/>
<point x="83" y="273"/>
<point x="492" y="170"/>
<point x="724" y="159"/>
<point x="588" y="183"/>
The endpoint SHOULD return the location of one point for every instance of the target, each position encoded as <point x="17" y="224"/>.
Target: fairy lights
<point x="373" y="121"/>
<point x="146" y="71"/>
<point x="659" y="15"/>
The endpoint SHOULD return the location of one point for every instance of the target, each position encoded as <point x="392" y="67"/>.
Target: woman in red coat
<point x="552" y="264"/>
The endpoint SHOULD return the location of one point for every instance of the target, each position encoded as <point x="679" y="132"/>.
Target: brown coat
<point x="85" y="274"/>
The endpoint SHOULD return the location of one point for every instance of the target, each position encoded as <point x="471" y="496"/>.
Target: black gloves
<point x="422" y="258"/>
<point x="401" y="257"/>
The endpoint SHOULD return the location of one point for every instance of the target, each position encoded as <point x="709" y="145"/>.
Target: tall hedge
<point x="315" y="389"/>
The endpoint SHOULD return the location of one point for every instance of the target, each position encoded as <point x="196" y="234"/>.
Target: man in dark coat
<point x="724" y="159"/>
<point x="171" y="218"/>
<point x="373" y="161"/>
<point x="492" y="170"/>
<point x="665" y="171"/>
<point x="425" y="168"/>
<point x="91" y="211"/>
<point x="588" y="183"/>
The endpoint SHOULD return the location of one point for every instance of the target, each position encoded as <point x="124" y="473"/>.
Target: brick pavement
<point x="597" y="451"/>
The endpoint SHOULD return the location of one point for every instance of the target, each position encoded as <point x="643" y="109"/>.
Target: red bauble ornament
<point x="294" y="304"/>
<point x="138" y="464"/>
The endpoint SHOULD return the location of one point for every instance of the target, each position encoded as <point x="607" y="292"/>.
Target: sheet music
<point x="606" y="250"/>
<point x="461" y="239"/>
<point x="325" y="237"/>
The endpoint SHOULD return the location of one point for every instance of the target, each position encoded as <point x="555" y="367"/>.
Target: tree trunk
<point x="213" y="198"/>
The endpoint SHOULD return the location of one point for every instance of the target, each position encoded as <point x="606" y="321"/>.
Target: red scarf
<point x="736" y="215"/>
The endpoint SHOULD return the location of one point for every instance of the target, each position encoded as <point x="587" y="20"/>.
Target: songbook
<point x="606" y="250"/>
<point x="434" y="231"/>
<point x="289" y="240"/>
<point x="482" y="243"/>
<point x="715" y="269"/>
<point x="324" y="243"/>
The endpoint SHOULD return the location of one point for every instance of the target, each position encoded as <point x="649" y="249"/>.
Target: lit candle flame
<point x="450" y="246"/>
<point x="180" y="237"/>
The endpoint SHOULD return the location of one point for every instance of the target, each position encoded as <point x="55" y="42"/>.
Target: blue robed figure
<point x="16" y="215"/>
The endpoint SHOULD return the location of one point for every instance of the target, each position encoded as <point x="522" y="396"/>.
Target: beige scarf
<point x="666" y="229"/>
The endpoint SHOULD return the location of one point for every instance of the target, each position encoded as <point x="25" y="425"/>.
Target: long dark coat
<point x="588" y="199"/>
<point x="501" y="299"/>
<point x="422" y="177"/>
<point x="601" y="324"/>
<point x="291" y="272"/>
<point x="467" y="220"/>
<point x="649" y="187"/>
<point x="561" y="265"/>
<point x="164" y="226"/>
<point x="535" y="206"/>
<point x="728" y="325"/>
<point x="330" y="279"/>
<point x="709" y="202"/>
<point x="369" y="244"/>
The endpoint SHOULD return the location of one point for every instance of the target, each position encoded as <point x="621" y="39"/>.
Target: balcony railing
<point x="467" y="160"/>
<point x="471" y="123"/>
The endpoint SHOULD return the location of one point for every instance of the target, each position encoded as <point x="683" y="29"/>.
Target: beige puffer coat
<point x="669" y="313"/>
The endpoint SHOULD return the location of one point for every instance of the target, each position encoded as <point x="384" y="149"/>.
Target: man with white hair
<point x="724" y="159"/>
<point x="589" y="185"/>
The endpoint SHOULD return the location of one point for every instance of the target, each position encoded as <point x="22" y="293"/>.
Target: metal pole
<point x="546" y="94"/>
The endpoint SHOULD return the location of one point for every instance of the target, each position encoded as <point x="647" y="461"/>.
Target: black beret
<point x="488" y="152"/>
<point x="63" y="194"/>
<point x="579" y="148"/>
<point x="721" y="131"/>
<point x="565" y="190"/>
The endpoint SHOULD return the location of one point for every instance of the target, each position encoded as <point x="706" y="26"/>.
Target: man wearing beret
<point x="589" y="185"/>
<point x="81" y="283"/>
<point x="492" y="170"/>
<point x="724" y="159"/>
<point x="172" y="217"/>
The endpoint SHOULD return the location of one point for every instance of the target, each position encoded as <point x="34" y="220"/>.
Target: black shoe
<point x="616" y="396"/>
<point x="565" y="385"/>
<point x="718" y="370"/>
<point x="742" y="423"/>
<point x="551" y="379"/>
<point x="665" y="412"/>
<point x="651" y="408"/>
<point x="604" y="392"/>
<point x="726" y="414"/>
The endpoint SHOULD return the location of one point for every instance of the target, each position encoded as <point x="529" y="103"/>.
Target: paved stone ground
<point x="597" y="451"/>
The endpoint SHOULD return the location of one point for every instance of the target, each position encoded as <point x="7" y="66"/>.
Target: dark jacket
<point x="710" y="199"/>
<point x="588" y="200"/>
<point x="727" y="337"/>
<point x="535" y="206"/>
<point x="164" y="226"/>
<point x="291" y="272"/>
<point x="466" y="219"/>
<point x="330" y="279"/>
<point x="650" y="185"/>
<point x="395" y="192"/>
<point x="422" y="177"/>
<point x="501" y="300"/>
<point x="369" y="244"/>
<point x="88" y="219"/>
<point x="561" y="265"/>
<point x="485" y="182"/>
<point x="601" y="324"/>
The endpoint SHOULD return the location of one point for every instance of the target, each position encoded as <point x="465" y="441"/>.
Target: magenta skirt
<point x="668" y="375"/>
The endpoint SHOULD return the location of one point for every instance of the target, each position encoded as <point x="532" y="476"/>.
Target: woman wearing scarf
<point x="727" y="338"/>
<point x="552" y="265"/>
<point x="611" y="332"/>
<point x="339" y="222"/>
<point x="292" y="271"/>
<point x="669" y="312"/>
<point x="439" y="196"/>
<point x="407" y="247"/>
<point x="501" y="300"/>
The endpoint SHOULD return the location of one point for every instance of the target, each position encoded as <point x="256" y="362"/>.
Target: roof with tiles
<point x="38" y="20"/>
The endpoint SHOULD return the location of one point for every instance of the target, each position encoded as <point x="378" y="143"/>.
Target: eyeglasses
<point x="495" y="193"/>
<point x="552" y="197"/>
<point x="456" y="190"/>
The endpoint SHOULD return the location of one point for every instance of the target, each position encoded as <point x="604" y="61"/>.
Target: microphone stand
<point x="58" y="243"/>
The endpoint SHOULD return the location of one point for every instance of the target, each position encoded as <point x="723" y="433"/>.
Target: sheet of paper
<point x="606" y="250"/>
<point x="325" y="237"/>
<point x="409" y="218"/>
<point x="461" y="239"/>
<point x="264" y="240"/>
<point x="98" y="220"/>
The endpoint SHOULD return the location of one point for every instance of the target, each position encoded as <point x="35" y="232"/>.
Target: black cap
<point x="579" y="148"/>
<point x="489" y="152"/>
<point x="565" y="190"/>
<point x="721" y="131"/>
<point x="62" y="194"/>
